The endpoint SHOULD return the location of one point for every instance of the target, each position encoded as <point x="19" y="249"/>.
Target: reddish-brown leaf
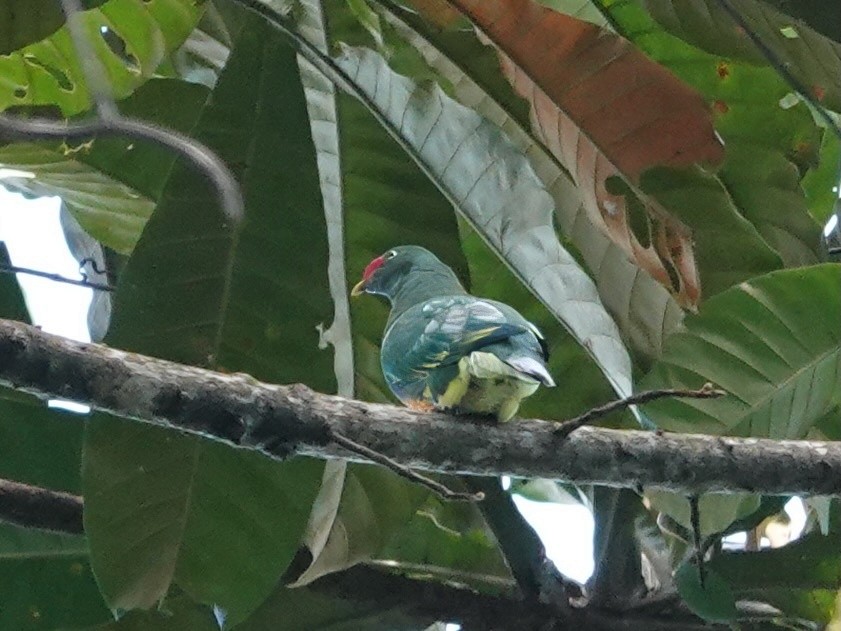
<point x="604" y="109"/>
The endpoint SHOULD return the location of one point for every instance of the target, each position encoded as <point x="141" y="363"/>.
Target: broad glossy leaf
<point x="364" y="218"/>
<point x="772" y="343"/>
<point x="222" y="523"/>
<point x="27" y="543"/>
<point x="129" y="37"/>
<point x="716" y="511"/>
<point x="486" y="178"/>
<point x="23" y="22"/>
<point x="145" y="166"/>
<point x="576" y="112"/>
<point x="49" y="593"/>
<point x="766" y="187"/>
<point x="810" y="56"/>
<point x="201" y="291"/>
<point x="820" y="184"/>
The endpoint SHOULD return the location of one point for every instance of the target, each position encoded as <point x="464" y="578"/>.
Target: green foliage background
<point x="355" y="126"/>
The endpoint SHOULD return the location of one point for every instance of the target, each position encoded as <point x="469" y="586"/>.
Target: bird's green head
<point x="407" y="271"/>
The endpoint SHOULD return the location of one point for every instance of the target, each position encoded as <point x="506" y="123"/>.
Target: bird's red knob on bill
<point x="445" y="349"/>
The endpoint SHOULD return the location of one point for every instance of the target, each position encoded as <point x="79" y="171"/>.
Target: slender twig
<point x="779" y="65"/>
<point x="14" y="269"/>
<point x="707" y="391"/>
<point x="695" y="523"/>
<point x="89" y="260"/>
<point x="375" y="456"/>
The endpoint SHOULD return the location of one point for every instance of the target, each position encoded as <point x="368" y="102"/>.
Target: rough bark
<point x="34" y="507"/>
<point x="280" y="420"/>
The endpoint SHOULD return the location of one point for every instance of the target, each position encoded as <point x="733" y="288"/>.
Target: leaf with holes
<point x="233" y="297"/>
<point x="129" y="37"/>
<point x="707" y="25"/>
<point x="604" y="117"/>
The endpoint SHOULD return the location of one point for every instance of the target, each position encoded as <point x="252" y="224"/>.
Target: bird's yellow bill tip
<point x="358" y="289"/>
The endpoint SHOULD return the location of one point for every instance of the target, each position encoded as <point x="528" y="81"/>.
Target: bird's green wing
<point x="436" y="335"/>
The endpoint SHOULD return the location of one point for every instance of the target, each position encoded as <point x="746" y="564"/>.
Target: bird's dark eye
<point x="390" y="254"/>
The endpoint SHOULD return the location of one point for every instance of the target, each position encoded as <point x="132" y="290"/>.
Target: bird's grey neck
<point x="422" y="286"/>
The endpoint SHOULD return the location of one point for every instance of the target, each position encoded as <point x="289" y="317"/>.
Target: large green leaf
<point x="129" y="37"/>
<point x="374" y="504"/>
<point x="711" y="599"/>
<point x="23" y="22"/>
<point x="364" y="218"/>
<point x="110" y="185"/>
<point x="772" y="343"/>
<point x="221" y="523"/>
<point x="237" y="297"/>
<point x="141" y="165"/>
<point x="821" y="183"/>
<point x="49" y="593"/>
<point x="452" y="542"/>
<point x="810" y="56"/>
<point x="111" y="210"/>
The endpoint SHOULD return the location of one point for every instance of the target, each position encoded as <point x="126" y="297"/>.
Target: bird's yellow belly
<point x="486" y="385"/>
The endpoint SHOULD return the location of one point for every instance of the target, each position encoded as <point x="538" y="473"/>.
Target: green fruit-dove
<point x="445" y="349"/>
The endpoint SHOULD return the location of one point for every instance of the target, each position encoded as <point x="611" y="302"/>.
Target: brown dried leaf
<point x="603" y="109"/>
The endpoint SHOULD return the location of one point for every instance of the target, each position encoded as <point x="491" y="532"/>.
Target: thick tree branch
<point x="280" y="420"/>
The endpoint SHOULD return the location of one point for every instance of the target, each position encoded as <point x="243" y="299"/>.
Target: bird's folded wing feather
<point x="455" y="327"/>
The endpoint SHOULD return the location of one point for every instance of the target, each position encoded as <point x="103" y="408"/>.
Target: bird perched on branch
<point x="445" y="349"/>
